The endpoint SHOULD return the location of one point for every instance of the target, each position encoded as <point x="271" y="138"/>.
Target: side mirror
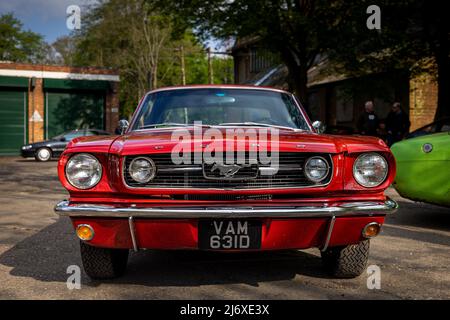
<point x="62" y="139"/>
<point x="319" y="126"/>
<point x="123" y="126"/>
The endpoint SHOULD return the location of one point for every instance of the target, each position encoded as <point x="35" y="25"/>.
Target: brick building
<point x="335" y="99"/>
<point x="38" y="102"/>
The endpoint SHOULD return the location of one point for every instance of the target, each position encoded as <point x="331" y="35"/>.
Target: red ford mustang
<point x="225" y="168"/>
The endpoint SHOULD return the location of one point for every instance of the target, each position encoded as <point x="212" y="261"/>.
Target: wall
<point x="39" y="75"/>
<point x="35" y="111"/>
<point x="423" y="101"/>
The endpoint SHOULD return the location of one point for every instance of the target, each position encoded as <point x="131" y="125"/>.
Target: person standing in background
<point x="397" y="124"/>
<point x="368" y="121"/>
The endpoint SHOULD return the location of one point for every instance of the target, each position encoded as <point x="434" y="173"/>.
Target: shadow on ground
<point x="46" y="255"/>
<point x="417" y="214"/>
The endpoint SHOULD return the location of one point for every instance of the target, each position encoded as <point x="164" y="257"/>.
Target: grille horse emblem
<point x="228" y="170"/>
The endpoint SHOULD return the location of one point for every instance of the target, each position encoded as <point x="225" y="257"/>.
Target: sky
<point x="46" y="17"/>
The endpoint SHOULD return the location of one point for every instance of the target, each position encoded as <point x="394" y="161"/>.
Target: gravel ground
<point x="36" y="247"/>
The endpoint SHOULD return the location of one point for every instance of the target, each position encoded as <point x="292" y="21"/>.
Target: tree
<point x="302" y="31"/>
<point x="414" y="37"/>
<point x="128" y="37"/>
<point x="290" y="28"/>
<point x="140" y="42"/>
<point x="19" y="45"/>
<point x="64" y="50"/>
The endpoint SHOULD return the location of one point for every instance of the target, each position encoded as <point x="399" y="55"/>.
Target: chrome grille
<point x="186" y="176"/>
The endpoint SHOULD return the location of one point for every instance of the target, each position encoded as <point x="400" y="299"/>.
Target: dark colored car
<point x="340" y="130"/>
<point x="442" y="125"/>
<point x="45" y="150"/>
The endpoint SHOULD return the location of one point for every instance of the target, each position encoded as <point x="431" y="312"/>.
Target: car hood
<point x="163" y="140"/>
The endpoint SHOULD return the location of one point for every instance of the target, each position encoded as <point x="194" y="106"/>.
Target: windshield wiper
<point x="170" y="124"/>
<point x="164" y="124"/>
<point x="257" y="124"/>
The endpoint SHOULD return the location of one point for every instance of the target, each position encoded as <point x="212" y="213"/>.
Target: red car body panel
<point x="277" y="233"/>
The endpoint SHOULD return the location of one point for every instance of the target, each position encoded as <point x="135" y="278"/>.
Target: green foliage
<point x="142" y="43"/>
<point x="64" y="47"/>
<point x="19" y="45"/>
<point x="413" y="36"/>
<point x="292" y="29"/>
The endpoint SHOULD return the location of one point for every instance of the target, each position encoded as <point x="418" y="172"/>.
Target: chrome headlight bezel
<point x="369" y="184"/>
<point x="152" y="165"/>
<point x="98" y="171"/>
<point x="308" y="174"/>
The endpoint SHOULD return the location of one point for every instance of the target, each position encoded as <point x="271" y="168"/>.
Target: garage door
<point x="13" y="121"/>
<point x="68" y="110"/>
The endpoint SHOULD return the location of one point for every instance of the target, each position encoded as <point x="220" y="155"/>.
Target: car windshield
<point x="220" y="107"/>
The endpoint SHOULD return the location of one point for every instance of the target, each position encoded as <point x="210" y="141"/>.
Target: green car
<point x="423" y="168"/>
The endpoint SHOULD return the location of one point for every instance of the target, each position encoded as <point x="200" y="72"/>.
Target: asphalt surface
<point x="36" y="248"/>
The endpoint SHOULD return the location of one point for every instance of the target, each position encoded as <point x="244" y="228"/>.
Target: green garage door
<point x="71" y="110"/>
<point x="12" y="121"/>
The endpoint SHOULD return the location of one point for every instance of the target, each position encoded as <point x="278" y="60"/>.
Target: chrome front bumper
<point x="64" y="208"/>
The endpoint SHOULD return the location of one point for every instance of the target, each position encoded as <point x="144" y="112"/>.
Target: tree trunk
<point x="443" y="77"/>
<point x="155" y="76"/>
<point x="297" y="81"/>
<point x="437" y="32"/>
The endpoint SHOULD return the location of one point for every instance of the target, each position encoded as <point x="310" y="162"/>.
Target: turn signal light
<point x="85" y="232"/>
<point x="371" y="230"/>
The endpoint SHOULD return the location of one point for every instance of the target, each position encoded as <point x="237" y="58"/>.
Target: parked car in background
<point x="423" y="168"/>
<point x="442" y="125"/>
<point x="321" y="191"/>
<point x="53" y="148"/>
<point x="338" y="129"/>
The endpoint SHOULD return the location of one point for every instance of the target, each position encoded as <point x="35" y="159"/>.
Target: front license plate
<point x="225" y="234"/>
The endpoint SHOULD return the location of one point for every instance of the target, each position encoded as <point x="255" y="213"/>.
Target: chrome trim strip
<point x="330" y="231"/>
<point x="261" y="169"/>
<point x="182" y="169"/>
<point x="65" y="208"/>
<point x="241" y="87"/>
<point x="133" y="234"/>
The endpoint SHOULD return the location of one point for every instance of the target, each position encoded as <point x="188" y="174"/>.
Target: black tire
<point x="103" y="263"/>
<point x="346" y="262"/>
<point x="38" y="156"/>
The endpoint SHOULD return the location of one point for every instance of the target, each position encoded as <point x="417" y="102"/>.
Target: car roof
<point x="219" y="86"/>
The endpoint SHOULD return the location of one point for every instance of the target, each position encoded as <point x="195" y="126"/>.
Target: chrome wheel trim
<point x="44" y="154"/>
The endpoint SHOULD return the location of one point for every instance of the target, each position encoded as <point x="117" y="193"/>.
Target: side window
<point x="74" y="134"/>
<point x="91" y="133"/>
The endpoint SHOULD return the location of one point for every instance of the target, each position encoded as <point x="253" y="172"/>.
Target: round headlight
<point x="370" y="169"/>
<point x="142" y="169"/>
<point x="316" y="169"/>
<point x="83" y="171"/>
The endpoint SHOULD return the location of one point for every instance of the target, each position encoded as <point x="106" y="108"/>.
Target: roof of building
<point x="12" y="69"/>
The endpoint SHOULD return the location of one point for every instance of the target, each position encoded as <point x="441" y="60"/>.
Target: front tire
<point x="103" y="263"/>
<point x="346" y="262"/>
<point x="43" y="154"/>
